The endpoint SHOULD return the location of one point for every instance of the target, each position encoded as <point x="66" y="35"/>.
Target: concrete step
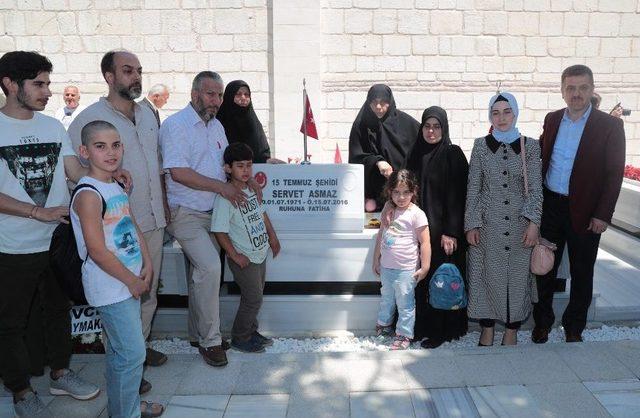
<point x="306" y="315"/>
<point x="622" y="245"/>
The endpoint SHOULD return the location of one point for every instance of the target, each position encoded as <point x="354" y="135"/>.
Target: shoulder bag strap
<point x="523" y="151"/>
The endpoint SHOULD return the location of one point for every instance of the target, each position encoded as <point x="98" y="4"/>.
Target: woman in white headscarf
<point x="501" y="223"/>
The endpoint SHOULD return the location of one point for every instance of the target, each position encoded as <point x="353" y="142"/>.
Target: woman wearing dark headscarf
<point x="501" y="223"/>
<point x="442" y="169"/>
<point x="240" y="122"/>
<point x="381" y="138"/>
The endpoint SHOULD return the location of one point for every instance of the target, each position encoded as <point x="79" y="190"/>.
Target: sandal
<point x="151" y="409"/>
<point x="400" y="342"/>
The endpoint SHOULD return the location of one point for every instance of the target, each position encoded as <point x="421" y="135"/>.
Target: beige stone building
<point x="450" y="53"/>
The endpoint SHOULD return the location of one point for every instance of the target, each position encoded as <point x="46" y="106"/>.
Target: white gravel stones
<point x="369" y="343"/>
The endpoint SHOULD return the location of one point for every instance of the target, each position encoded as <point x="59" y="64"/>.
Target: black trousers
<point x="23" y="278"/>
<point x="583" y="250"/>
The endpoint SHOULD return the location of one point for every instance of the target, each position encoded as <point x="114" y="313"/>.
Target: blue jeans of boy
<point x="398" y="291"/>
<point x="125" y="354"/>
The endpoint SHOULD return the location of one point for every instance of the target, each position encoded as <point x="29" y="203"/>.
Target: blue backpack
<point x="446" y="288"/>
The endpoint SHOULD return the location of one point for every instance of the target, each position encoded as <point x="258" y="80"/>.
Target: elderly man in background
<point x="156" y="98"/>
<point x="138" y="130"/>
<point x="71" y="108"/>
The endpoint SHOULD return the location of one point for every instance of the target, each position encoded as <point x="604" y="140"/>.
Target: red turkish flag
<point x="337" y="159"/>
<point x="311" y="123"/>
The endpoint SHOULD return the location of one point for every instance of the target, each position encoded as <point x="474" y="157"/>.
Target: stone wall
<point x="174" y="39"/>
<point x="454" y="53"/>
<point x="451" y="53"/>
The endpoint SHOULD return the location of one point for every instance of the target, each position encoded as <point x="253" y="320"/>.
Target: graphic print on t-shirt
<point x="33" y="165"/>
<point x="391" y="234"/>
<point x="254" y="223"/>
<point x="122" y="237"/>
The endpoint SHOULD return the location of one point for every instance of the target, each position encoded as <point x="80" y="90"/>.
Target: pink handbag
<point x="542" y="256"/>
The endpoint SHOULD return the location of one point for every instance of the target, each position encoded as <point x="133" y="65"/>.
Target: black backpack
<point x="64" y="259"/>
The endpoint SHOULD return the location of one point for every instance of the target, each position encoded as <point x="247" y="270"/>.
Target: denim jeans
<point x="398" y="291"/>
<point x="125" y="353"/>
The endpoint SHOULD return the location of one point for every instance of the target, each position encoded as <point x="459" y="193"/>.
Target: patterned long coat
<point x="500" y="283"/>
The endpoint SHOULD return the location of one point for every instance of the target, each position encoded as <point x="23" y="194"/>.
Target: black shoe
<point x="540" y="335"/>
<point x="430" y="343"/>
<point x="34" y="373"/>
<point x="155" y="358"/>
<point x="572" y="337"/>
<point x="250" y="346"/>
<point x="145" y="387"/>
<point x="266" y="342"/>
<point x="225" y="344"/>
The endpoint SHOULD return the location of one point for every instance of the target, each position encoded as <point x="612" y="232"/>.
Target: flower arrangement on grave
<point x="632" y="172"/>
<point x="88" y="343"/>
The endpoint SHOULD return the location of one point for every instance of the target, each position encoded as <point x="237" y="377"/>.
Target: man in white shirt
<point x="156" y="98"/>
<point x="193" y="142"/>
<point x="35" y="158"/>
<point x="139" y="134"/>
<point x="72" y="107"/>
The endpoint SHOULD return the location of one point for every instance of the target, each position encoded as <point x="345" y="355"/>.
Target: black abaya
<point x="241" y="124"/>
<point x="442" y="170"/>
<point x="389" y="139"/>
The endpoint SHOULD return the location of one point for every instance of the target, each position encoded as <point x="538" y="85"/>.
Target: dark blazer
<point x="598" y="168"/>
<point x="146" y="102"/>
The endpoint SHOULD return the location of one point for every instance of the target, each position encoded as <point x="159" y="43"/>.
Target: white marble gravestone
<point x="313" y="198"/>
<point x="318" y="213"/>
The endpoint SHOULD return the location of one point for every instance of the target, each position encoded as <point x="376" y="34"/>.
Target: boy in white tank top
<point x="117" y="270"/>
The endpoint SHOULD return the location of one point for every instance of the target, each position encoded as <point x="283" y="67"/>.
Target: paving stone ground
<point x="592" y="379"/>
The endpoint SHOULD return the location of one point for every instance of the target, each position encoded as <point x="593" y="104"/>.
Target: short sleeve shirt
<point x="31" y="170"/>
<point x="187" y="142"/>
<point x="399" y="245"/>
<point x="244" y="224"/>
<point x="141" y="157"/>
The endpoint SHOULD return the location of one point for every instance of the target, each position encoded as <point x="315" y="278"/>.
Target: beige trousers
<point x="149" y="301"/>
<point x="192" y="230"/>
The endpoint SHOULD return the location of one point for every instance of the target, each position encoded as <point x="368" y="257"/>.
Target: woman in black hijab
<point x="240" y="122"/>
<point x="381" y="138"/>
<point x="442" y="170"/>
